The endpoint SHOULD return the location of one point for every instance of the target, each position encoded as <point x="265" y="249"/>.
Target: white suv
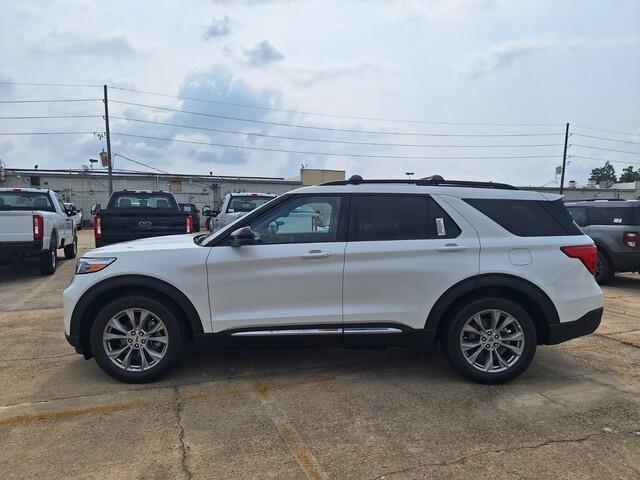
<point x="485" y="269"/>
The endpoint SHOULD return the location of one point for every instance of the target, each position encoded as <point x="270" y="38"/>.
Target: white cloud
<point x="306" y="75"/>
<point x="217" y="28"/>
<point x="262" y="54"/>
<point x="504" y="54"/>
<point x="114" y="45"/>
<point x="434" y="10"/>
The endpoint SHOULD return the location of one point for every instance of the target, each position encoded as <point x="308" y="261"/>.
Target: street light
<point x="409" y="174"/>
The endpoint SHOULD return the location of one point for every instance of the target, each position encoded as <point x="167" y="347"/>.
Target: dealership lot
<point x="312" y="413"/>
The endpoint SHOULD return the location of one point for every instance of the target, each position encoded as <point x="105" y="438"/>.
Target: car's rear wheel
<point x="70" y="251"/>
<point x="136" y="339"/>
<point x="490" y="340"/>
<point x="604" y="269"/>
<point x="48" y="261"/>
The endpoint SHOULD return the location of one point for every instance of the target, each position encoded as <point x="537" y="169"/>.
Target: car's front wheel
<point x="490" y="340"/>
<point x="136" y="339"/>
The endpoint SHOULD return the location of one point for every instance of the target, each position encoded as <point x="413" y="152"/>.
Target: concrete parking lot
<point x="312" y="413"/>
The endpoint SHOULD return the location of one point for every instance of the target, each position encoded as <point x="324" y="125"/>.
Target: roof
<point x="252" y="194"/>
<point x="26" y="189"/>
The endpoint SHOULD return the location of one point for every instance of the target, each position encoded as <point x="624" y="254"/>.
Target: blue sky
<point x="460" y="61"/>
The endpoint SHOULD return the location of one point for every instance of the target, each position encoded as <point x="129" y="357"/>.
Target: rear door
<point x="403" y="252"/>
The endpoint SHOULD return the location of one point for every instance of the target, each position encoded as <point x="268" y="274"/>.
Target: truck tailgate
<point x="16" y="226"/>
<point x="124" y="226"/>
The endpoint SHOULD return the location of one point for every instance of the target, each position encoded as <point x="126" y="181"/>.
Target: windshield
<point x="25" y="201"/>
<point x="246" y="203"/>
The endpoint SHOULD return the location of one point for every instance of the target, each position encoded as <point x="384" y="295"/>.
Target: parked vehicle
<point x="35" y="223"/>
<point x="485" y="269"/>
<point x="191" y="209"/>
<point x="131" y="215"/>
<point x="234" y="206"/>
<point x="614" y="226"/>
<point x="76" y="214"/>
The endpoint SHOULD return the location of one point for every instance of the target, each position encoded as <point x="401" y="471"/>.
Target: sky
<point x="467" y="89"/>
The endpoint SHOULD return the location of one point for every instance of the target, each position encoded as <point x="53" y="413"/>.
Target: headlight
<point x="92" y="265"/>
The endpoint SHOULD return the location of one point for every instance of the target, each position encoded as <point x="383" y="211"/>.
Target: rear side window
<point x="134" y="200"/>
<point x="580" y="215"/>
<point x="528" y="218"/>
<point x="612" y="216"/>
<point x="398" y="217"/>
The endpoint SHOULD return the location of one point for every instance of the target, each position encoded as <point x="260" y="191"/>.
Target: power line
<point x="49" y="133"/>
<point x="604" y="138"/>
<point x="38" y="117"/>
<point x="335" y="115"/>
<point x="66" y="100"/>
<point x="606" y="130"/>
<point x="29" y="84"/>
<point x="139" y="163"/>
<point x="347" y="130"/>
<point x="605" y="149"/>
<point x="603" y="160"/>
<point x="348" y="142"/>
<point x="304" y="152"/>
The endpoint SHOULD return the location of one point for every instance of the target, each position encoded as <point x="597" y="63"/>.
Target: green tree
<point x="628" y="175"/>
<point x="605" y="173"/>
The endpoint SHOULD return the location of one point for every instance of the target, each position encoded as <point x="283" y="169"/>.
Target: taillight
<point x="630" y="239"/>
<point x="97" y="227"/>
<point x="587" y="254"/>
<point x="38" y="227"/>
<point x="189" y="224"/>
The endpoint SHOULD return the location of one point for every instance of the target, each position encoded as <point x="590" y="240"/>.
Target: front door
<point x="290" y="276"/>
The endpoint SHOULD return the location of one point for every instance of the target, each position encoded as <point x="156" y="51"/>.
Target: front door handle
<point x="452" y="247"/>
<point x="315" y="254"/>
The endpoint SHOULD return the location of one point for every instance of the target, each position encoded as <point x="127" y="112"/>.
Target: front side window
<point x="399" y="217"/>
<point x="299" y="220"/>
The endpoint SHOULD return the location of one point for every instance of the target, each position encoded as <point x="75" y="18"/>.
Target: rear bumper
<point x="20" y="249"/>
<point x="588" y="323"/>
<point x="625" y="262"/>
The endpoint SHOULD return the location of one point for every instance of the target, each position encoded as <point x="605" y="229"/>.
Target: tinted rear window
<point x="399" y="217"/>
<point x="612" y="215"/>
<point x="26" y="201"/>
<point x="127" y="200"/>
<point x="528" y="218"/>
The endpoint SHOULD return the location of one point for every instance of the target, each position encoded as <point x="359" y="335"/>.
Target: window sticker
<point x="440" y="227"/>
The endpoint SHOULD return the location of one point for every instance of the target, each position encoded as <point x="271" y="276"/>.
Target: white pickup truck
<point x="234" y="206"/>
<point x="35" y="223"/>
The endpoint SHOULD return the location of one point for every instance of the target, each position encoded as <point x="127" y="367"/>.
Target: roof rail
<point x="435" y="180"/>
<point x="597" y="200"/>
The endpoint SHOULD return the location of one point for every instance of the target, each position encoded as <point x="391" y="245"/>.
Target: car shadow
<point x="625" y="281"/>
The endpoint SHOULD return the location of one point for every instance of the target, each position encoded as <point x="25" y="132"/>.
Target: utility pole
<point x="108" y="135"/>
<point x="564" y="158"/>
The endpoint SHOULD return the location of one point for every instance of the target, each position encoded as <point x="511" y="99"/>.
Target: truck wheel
<point x="604" y="270"/>
<point x="49" y="259"/>
<point x="490" y="340"/>
<point x="136" y="339"/>
<point x="70" y="251"/>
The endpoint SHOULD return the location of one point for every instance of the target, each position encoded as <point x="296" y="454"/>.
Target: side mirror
<point x="215" y="213"/>
<point x="95" y="208"/>
<point x="206" y="211"/>
<point x="242" y="236"/>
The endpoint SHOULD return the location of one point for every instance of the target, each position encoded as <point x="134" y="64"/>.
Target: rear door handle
<point x="452" y="247"/>
<point x="315" y="254"/>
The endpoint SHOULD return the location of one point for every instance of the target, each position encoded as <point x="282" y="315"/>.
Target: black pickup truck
<point x="131" y="215"/>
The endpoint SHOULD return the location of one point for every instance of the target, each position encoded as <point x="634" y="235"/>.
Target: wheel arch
<point x="101" y="293"/>
<point x="532" y="298"/>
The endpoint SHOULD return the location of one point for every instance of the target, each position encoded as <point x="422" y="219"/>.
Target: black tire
<point x="48" y="261"/>
<point x="71" y="250"/>
<point x="604" y="271"/>
<point x="452" y="339"/>
<point x="175" y="333"/>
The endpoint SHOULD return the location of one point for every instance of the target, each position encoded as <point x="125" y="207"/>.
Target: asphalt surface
<point x="312" y="413"/>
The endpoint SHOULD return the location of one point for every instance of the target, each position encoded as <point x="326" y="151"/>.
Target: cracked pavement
<point x="313" y="413"/>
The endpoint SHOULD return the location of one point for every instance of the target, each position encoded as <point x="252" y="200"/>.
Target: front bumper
<point x="588" y="323"/>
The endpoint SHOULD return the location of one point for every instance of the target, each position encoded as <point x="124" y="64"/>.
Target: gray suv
<point x="614" y="226"/>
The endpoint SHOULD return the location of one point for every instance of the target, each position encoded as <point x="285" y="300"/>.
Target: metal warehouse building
<point x="85" y="188"/>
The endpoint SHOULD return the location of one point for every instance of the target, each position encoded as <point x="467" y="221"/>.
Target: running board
<point x="318" y="331"/>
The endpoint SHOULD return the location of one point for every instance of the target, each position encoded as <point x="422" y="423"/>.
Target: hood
<point x="169" y="242"/>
